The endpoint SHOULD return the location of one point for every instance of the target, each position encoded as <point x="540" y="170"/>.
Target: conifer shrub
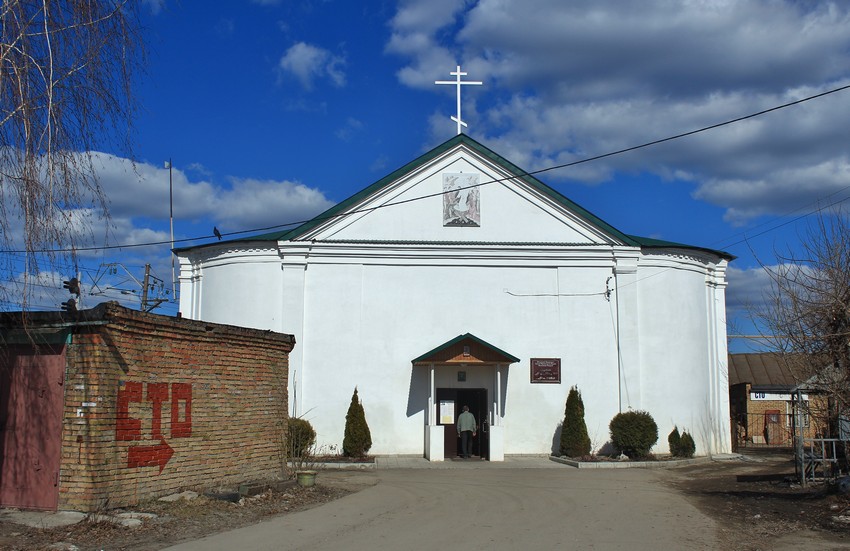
<point x="574" y="439"/>
<point x="633" y="433"/>
<point x="358" y="439"/>
<point x="674" y="440"/>
<point x="687" y="446"/>
<point x="301" y="436"/>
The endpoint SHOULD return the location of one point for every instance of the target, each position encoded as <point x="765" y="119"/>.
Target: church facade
<point x="461" y="280"/>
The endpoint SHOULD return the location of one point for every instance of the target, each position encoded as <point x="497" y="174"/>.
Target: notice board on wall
<point x="447" y="412"/>
<point x="546" y="370"/>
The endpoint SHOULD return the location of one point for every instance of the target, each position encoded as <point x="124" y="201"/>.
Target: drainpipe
<point x="619" y="354"/>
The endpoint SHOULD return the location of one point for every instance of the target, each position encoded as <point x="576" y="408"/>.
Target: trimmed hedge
<point x="674" y="440"/>
<point x="687" y="446"/>
<point x="574" y="439"/>
<point x="358" y="438"/>
<point x="634" y="433"/>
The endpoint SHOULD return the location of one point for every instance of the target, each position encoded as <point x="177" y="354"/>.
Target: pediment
<point x="459" y="192"/>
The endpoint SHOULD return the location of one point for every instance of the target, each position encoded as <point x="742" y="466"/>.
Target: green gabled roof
<point x="460" y="338"/>
<point x="463" y="139"/>
<point x="651" y="243"/>
<point x="288" y="235"/>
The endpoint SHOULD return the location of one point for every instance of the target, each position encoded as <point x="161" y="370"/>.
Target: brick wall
<point x="155" y="405"/>
<point x="760" y="431"/>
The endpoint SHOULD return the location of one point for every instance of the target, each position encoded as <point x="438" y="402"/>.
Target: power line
<point x="497" y="180"/>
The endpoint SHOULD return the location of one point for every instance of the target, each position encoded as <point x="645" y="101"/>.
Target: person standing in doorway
<point x="466" y="429"/>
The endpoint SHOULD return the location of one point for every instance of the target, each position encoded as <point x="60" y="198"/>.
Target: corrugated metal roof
<point x="762" y="369"/>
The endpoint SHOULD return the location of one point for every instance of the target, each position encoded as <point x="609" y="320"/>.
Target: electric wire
<point x="427" y="196"/>
<point x="747" y="235"/>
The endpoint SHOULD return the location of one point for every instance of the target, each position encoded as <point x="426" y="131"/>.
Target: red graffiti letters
<point x="127" y="428"/>
<point x="181" y="392"/>
<point x="157" y="394"/>
<point x="130" y="429"/>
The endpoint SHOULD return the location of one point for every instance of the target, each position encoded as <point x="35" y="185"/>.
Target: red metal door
<point x="31" y="404"/>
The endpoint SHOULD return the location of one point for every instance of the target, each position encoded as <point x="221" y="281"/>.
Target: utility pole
<point x="145" y="287"/>
<point x="171" y="219"/>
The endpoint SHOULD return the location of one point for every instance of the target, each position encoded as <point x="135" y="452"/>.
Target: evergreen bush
<point x="358" y="439"/>
<point x="301" y="436"/>
<point x="634" y="433"/>
<point x="687" y="447"/>
<point x="574" y="439"/>
<point x="674" y="440"/>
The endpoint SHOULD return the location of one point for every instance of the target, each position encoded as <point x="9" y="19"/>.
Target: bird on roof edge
<point x="217" y="233"/>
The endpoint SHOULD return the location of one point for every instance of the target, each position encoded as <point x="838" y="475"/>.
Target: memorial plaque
<point x="546" y="370"/>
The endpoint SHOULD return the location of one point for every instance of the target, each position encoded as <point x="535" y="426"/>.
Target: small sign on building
<point x="546" y="370"/>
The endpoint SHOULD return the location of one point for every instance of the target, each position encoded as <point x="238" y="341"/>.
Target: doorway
<point x="450" y="402"/>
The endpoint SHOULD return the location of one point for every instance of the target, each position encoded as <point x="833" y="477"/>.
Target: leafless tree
<point x="807" y="312"/>
<point x="66" y="70"/>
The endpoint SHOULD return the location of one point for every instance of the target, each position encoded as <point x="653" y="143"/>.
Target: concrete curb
<point x="342" y="466"/>
<point x="638" y="464"/>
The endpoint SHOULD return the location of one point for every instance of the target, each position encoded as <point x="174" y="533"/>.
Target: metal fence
<point x="822" y="458"/>
<point x="773" y="430"/>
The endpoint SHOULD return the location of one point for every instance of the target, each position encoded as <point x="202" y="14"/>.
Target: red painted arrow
<point x="150" y="456"/>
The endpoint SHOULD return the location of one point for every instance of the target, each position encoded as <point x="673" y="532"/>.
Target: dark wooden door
<point x="447" y="401"/>
<point x="476" y="399"/>
<point x="31" y="407"/>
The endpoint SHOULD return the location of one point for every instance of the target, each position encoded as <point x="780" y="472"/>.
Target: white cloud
<point x="565" y="81"/>
<point x="746" y="290"/>
<point x="414" y="34"/>
<point x="307" y="63"/>
<point x="141" y="192"/>
<point x="139" y="221"/>
<point x="347" y="132"/>
<point x="253" y="203"/>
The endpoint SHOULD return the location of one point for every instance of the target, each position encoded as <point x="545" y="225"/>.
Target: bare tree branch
<point x="66" y="69"/>
<point x="806" y="312"/>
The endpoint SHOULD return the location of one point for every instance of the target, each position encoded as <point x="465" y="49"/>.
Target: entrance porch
<point x="465" y="371"/>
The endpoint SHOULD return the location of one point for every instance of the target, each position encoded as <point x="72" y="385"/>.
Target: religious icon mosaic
<point x="461" y="200"/>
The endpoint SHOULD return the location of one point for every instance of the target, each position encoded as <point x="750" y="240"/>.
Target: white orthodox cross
<point x="458" y="83"/>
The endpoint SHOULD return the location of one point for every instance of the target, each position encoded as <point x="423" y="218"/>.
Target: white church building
<point x="461" y="280"/>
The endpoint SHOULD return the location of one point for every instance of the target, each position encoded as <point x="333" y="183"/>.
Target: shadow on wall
<point x="556" y="439"/>
<point x="417" y="393"/>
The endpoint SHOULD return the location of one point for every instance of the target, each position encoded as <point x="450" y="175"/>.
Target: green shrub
<point x="301" y="437"/>
<point x="574" y="439"/>
<point x="674" y="440"/>
<point x="358" y="439"/>
<point x="687" y="447"/>
<point x="634" y="433"/>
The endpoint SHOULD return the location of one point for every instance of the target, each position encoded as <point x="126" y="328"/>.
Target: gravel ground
<point x="760" y="505"/>
<point x="182" y="520"/>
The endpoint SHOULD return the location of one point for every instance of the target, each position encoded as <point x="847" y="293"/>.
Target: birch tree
<point x="66" y="70"/>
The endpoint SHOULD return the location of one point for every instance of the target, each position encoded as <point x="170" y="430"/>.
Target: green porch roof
<point x="460" y="338"/>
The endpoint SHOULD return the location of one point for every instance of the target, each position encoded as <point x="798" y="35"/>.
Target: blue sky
<point x="272" y="111"/>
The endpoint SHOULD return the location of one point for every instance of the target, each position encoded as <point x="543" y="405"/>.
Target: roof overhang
<point x="465" y="349"/>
